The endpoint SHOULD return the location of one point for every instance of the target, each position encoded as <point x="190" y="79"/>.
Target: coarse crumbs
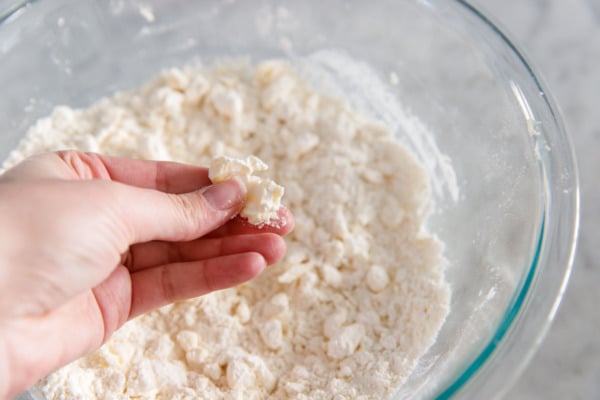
<point x="263" y="196"/>
<point x="360" y="295"/>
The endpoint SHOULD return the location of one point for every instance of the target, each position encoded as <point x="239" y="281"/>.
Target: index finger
<point x="166" y="176"/>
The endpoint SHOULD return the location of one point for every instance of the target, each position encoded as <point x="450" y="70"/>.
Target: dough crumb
<point x="263" y="198"/>
<point x="377" y="278"/>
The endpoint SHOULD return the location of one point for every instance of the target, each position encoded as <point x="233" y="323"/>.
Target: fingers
<point x="169" y="177"/>
<point x="155" y="200"/>
<point x="156" y="287"/>
<point x="241" y="226"/>
<point x="145" y="255"/>
<point x="148" y="215"/>
<point x="113" y="299"/>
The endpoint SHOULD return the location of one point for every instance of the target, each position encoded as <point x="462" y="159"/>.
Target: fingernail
<point x="225" y="195"/>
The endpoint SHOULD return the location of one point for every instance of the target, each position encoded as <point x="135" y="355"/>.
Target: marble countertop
<point x="562" y="41"/>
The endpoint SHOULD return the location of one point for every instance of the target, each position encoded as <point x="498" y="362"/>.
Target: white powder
<point x="359" y="296"/>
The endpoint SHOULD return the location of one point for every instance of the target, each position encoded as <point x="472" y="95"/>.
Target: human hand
<point x="88" y="242"/>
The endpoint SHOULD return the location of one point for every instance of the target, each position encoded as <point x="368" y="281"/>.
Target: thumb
<point x="155" y="215"/>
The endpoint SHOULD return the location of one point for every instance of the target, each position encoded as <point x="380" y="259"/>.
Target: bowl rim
<point x="561" y="203"/>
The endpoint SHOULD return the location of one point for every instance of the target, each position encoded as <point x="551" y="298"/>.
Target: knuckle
<point x="84" y="165"/>
<point x="190" y="210"/>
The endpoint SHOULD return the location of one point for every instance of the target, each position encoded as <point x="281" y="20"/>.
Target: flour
<point x="360" y="295"/>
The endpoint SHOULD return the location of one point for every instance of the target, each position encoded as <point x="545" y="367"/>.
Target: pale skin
<point x="88" y="242"/>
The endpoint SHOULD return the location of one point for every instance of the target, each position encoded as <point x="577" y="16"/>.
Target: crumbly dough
<point x="263" y="195"/>
<point x="360" y="295"/>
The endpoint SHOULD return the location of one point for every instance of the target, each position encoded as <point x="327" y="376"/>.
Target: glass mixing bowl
<point x="501" y="166"/>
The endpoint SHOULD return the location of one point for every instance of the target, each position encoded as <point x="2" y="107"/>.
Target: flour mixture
<point x="360" y="295"/>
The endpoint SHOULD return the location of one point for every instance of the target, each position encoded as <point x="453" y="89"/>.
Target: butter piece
<point x="263" y="197"/>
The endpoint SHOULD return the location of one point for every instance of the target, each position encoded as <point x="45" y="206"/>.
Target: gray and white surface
<point x="561" y="38"/>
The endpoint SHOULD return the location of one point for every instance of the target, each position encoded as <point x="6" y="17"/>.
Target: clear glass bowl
<point x="510" y="232"/>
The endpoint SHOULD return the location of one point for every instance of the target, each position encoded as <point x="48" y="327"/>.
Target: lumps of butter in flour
<point x="360" y="294"/>
<point x="263" y="196"/>
<point x="377" y="278"/>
